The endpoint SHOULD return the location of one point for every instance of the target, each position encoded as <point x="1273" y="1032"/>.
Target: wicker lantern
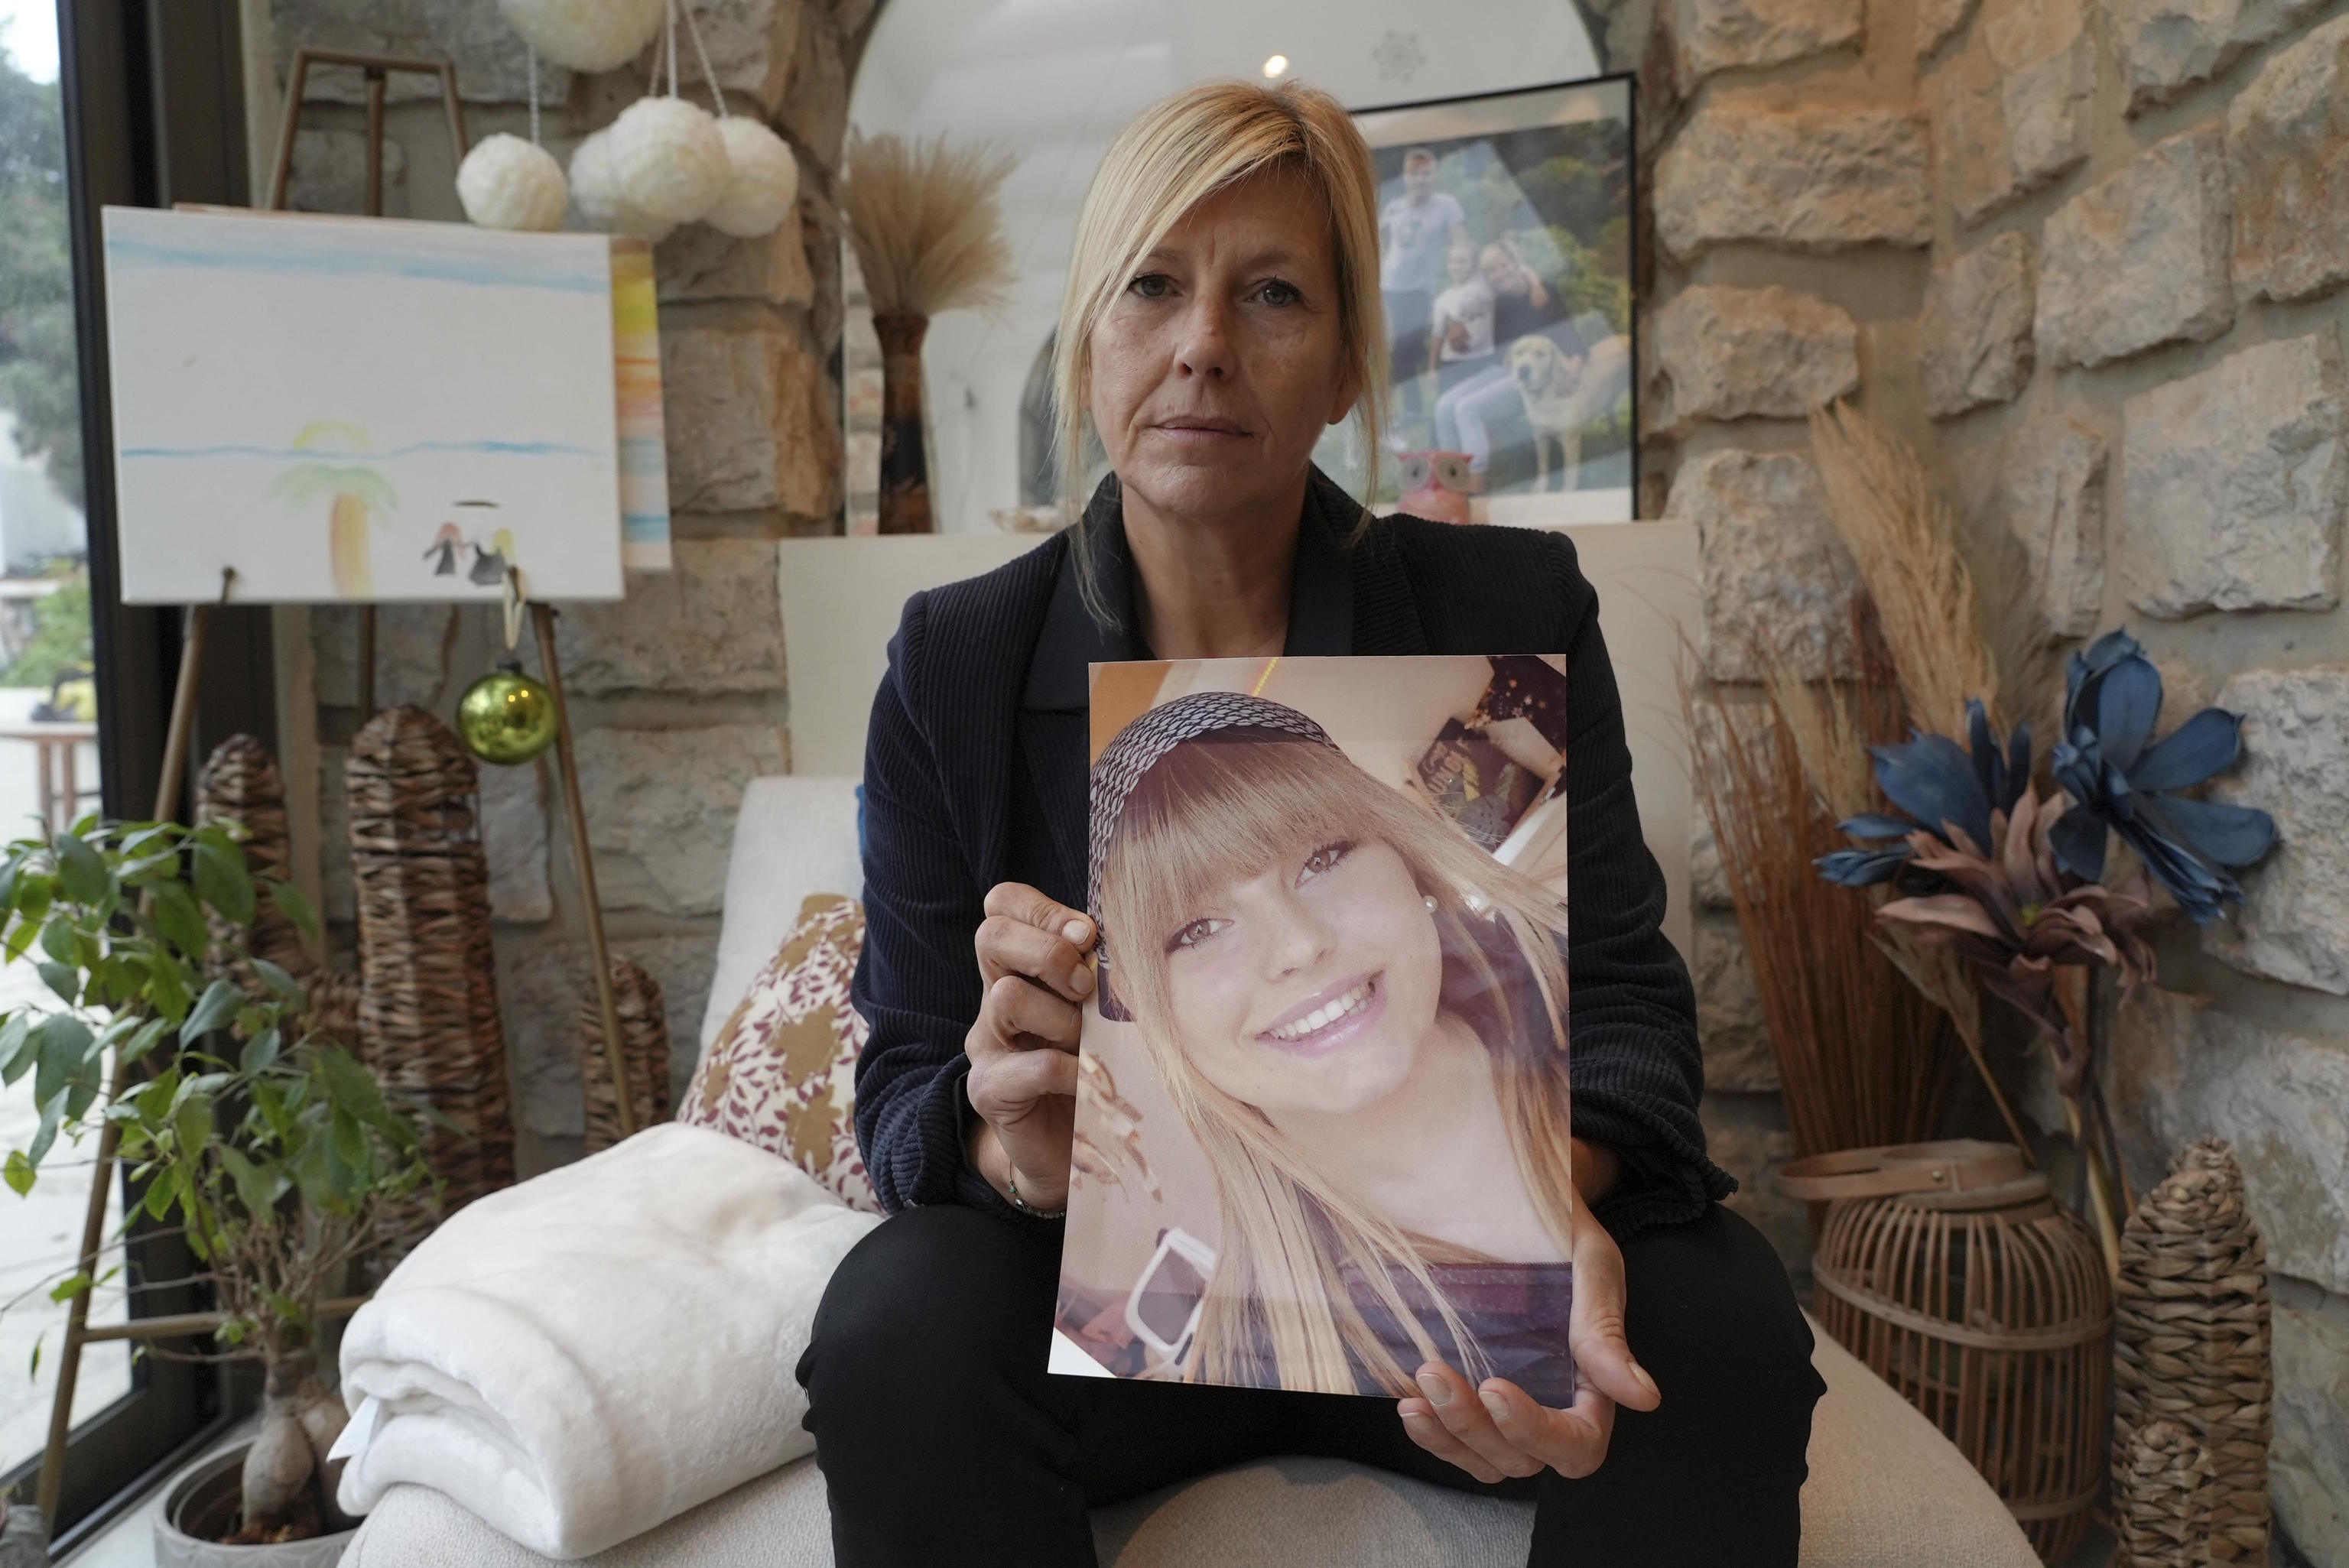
<point x="2191" y="1349"/>
<point x="240" y="784"/>
<point x="1948" y="1269"/>
<point x="643" y="1043"/>
<point x="428" y="1013"/>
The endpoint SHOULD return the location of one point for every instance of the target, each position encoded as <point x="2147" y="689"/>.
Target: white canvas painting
<point x="378" y="411"/>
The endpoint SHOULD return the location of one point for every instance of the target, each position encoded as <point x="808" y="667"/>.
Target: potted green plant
<point x="276" y="1153"/>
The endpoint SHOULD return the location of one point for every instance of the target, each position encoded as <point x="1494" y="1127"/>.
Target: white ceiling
<point x="1053" y="80"/>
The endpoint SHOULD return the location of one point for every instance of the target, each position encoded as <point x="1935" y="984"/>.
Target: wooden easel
<point x="177" y="739"/>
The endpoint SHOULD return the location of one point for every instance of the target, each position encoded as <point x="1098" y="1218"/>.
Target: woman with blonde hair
<point x="1222" y="309"/>
<point x="1361" y="1018"/>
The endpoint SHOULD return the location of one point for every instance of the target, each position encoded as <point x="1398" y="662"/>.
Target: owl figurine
<point x="1435" y="486"/>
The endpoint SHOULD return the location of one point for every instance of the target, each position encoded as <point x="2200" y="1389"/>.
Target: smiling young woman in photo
<point x="1375" y="1069"/>
<point x="1223" y="309"/>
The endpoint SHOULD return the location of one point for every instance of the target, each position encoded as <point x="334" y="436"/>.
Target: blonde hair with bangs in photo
<point x="1174" y="155"/>
<point x="1213" y="813"/>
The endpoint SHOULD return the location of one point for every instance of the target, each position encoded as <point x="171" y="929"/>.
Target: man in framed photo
<point x="1416" y="231"/>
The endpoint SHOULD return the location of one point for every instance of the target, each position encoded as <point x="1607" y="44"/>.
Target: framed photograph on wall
<point x="1504" y="239"/>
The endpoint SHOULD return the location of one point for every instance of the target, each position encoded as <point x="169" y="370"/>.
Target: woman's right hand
<point x="1023" y="1048"/>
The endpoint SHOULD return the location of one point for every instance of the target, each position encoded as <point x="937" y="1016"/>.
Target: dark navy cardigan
<point x="975" y="773"/>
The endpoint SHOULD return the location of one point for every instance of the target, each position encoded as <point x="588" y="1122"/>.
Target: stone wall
<point x="679" y="692"/>
<point x="2088" y="257"/>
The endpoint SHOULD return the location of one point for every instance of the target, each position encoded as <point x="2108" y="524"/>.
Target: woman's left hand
<point x="1496" y="1430"/>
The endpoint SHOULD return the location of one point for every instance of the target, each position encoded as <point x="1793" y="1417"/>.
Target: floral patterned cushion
<point x="781" y="1074"/>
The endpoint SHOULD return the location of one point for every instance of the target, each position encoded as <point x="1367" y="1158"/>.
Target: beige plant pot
<point x="203" y="1503"/>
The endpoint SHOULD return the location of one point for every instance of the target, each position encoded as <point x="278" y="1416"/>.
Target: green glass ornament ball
<point x="507" y="717"/>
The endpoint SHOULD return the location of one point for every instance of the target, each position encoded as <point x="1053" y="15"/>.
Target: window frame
<point x="153" y="99"/>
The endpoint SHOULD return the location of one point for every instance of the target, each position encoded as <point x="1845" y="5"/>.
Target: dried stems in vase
<point x="929" y="238"/>
<point x="1861" y="1056"/>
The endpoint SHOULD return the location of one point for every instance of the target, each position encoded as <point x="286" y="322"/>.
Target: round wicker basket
<point x="644" y="1045"/>
<point x="2191" y="1351"/>
<point x="1949" y="1271"/>
<point x="428" y="1013"/>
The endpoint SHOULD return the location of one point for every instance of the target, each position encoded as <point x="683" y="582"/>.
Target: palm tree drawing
<point x="358" y="493"/>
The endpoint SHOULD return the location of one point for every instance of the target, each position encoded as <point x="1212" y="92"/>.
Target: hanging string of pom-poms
<point x="506" y="182"/>
<point x="664" y="162"/>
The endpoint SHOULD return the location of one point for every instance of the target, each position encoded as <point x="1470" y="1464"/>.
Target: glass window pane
<point x="48" y="751"/>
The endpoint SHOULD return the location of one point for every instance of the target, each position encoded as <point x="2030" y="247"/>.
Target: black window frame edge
<point x="153" y="99"/>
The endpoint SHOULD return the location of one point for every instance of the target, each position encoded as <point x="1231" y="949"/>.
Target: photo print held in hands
<point x="1322" y="1114"/>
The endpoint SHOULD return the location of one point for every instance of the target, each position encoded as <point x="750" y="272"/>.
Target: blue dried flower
<point x="1939" y="785"/>
<point x="2112" y="699"/>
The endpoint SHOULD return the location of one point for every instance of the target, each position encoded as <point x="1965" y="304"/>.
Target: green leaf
<point x="81" y="871"/>
<point x="67" y="1289"/>
<point x="116" y="1028"/>
<point x="33" y="895"/>
<point x="65" y="980"/>
<point x="193" y="1125"/>
<point x="166" y="988"/>
<point x="348" y="1141"/>
<point x="181" y="922"/>
<point x="37" y="1338"/>
<point x="279" y="981"/>
<point x="17" y="1172"/>
<point x="64" y="1044"/>
<point x="220" y="1003"/>
<point x="160" y="1193"/>
<point x="144" y="1041"/>
<point x="15" y="1056"/>
<point x="260" y="1051"/>
<point x="255" y="1188"/>
<point x="295" y="908"/>
<point x="57" y="938"/>
<point x="20" y="937"/>
<point x="113" y="979"/>
<point x="52" y="1110"/>
<point x="82" y="1092"/>
<point x="222" y="879"/>
<point x="350" y="1086"/>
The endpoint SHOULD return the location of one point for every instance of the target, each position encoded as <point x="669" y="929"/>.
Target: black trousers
<point x="942" y="1439"/>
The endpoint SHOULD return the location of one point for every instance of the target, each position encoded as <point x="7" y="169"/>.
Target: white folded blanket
<point x="580" y="1357"/>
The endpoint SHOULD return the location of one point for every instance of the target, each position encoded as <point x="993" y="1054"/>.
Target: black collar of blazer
<point x="1345" y="598"/>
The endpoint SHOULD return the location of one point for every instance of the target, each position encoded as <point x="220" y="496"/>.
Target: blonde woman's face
<point x="1215" y="369"/>
<point x="1311" y="987"/>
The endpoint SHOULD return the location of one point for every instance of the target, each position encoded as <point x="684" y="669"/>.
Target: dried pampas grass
<point x="1903" y="536"/>
<point x="924" y="220"/>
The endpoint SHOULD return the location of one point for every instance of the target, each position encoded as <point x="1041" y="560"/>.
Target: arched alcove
<point x="1053" y="80"/>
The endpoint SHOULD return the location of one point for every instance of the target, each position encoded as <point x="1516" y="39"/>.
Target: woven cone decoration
<point x="2161" y="1499"/>
<point x="644" y="1042"/>
<point x="241" y="785"/>
<point x="427" y="1014"/>
<point x="2191" y="1346"/>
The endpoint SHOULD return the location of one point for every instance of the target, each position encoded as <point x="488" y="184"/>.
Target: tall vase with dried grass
<point x="930" y="237"/>
<point x="1999" y="886"/>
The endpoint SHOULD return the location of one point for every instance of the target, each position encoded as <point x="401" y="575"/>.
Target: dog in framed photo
<point x="1565" y="394"/>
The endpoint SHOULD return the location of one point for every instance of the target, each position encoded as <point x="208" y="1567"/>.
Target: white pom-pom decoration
<point x="766" y="181"/>
<point x="506" y="182"/>
<point x="668" y="158"/>
<point x="586" y="35"/>
<point x="600" y="202"/>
